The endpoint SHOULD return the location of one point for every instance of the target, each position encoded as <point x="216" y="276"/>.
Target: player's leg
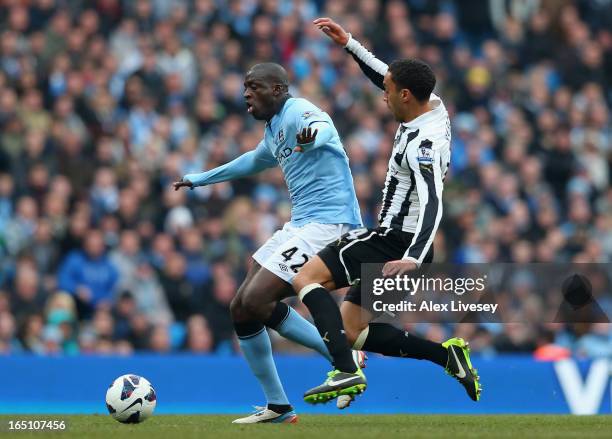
<point x="355" y="319"/>
<point x="291" y="325"/>
<point x="347" y="378"/>
<point x="285" y="262"/>
<point x="255" y="344"/>
<point x="255" y="296"/>
<point x="258" y="301"/>
<point x="383" y="338"/>
<point x="344" y="262"/>
<point x="309" y="284"/>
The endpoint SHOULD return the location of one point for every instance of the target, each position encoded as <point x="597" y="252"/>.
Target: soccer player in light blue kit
<point x="301" y="139"/>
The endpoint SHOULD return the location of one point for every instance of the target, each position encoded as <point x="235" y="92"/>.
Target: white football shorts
<point x="290" y="248"/>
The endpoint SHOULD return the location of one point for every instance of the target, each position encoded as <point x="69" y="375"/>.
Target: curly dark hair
<point x="415" y="75"/>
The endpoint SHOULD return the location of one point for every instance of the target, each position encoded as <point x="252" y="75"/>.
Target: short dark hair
<point x="272" y="73"/>
<point x="415" y="75"/>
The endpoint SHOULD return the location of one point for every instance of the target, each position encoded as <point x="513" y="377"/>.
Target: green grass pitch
<point x="319" y="427"/>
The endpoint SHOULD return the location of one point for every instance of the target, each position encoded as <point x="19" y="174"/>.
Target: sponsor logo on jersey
<point x="283" y="154"/>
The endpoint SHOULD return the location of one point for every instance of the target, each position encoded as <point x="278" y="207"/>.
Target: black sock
<point x="280" y="408"/>
<point x="247" y="329"/>
<point x="393" y="342"/>
<point x="328" y="321"/>
<point x="278" y="316"/>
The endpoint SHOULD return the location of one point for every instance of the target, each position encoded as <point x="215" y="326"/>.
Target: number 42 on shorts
<point x="288" y="255"/>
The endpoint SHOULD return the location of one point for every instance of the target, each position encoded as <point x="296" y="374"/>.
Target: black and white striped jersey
<point x="412" y="197"/>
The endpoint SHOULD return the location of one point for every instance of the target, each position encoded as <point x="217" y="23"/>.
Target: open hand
<point x="305" y="139"/>
<point x="333" y="30"/>
<point x="182" y="183"/>
<point x="398" y="267"/>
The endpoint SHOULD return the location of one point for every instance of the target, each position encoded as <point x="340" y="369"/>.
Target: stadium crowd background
<point x="103" y="104"/>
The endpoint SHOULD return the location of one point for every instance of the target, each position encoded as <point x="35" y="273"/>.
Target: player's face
<point x="393" y="97"/>
<point x="259" y="97"/>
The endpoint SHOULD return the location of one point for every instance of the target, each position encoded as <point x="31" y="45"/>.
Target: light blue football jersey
<point x="319" y="181"/>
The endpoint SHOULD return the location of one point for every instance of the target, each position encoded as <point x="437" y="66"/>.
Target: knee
<point x="352" y="334"/>
<point x="314" y="272"/>
<point x="353" y="328"/>
<point x="237" y="310"/>
<point x="303" y="278"/>
<point x="252" y="304"/>
<point x="298" y="282"/>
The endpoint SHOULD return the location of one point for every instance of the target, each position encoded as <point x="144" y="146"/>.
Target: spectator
<point x="9" y="344"/>
<point x="160" y="340"/>
<point x="88" y="274"/>
<point x="199" y="336"/>
<point x="182" y="295"/>
<point x="61" y="314"/>
<point x="101" y="108"/>
<point x="124" y="309"/>
<point x="140" y="330"/>
<point x="19" y="232"/>
<point x="28" y="296"/>
<point x="31" y="334"/>
<point x="217" y="309"/>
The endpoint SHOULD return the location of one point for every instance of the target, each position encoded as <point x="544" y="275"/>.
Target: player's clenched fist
<point x="333" y="30"/>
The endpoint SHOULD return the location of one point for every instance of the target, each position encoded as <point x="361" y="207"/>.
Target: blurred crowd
<point x="104" y="103"/>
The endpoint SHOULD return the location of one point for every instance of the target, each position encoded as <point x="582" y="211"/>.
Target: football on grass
<point x="130" y="399"/>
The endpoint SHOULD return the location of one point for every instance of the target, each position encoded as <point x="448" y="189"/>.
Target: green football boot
<point x="460" y="367"/>
<point x="337" y="383"/>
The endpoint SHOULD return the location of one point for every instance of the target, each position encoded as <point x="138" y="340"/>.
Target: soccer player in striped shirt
<point x="408" y="221"/>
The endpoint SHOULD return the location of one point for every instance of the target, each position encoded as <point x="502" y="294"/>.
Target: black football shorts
<point x="364" y="246"/>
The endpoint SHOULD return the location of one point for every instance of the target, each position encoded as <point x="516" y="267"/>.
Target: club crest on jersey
<point x="281" y="136"/>
<point x="307" y="114"/>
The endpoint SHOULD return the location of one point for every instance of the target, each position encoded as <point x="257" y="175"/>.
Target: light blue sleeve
<point x="247" y="164"/>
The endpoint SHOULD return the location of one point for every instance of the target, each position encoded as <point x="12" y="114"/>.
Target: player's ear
<point x="406" y="95"/>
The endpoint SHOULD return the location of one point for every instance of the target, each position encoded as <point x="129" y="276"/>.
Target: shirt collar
<point x="436" y="104"/>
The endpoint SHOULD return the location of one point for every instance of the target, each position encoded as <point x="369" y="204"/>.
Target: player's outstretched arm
<point x="247" y="164"/>
<point x="374" y="68"/>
